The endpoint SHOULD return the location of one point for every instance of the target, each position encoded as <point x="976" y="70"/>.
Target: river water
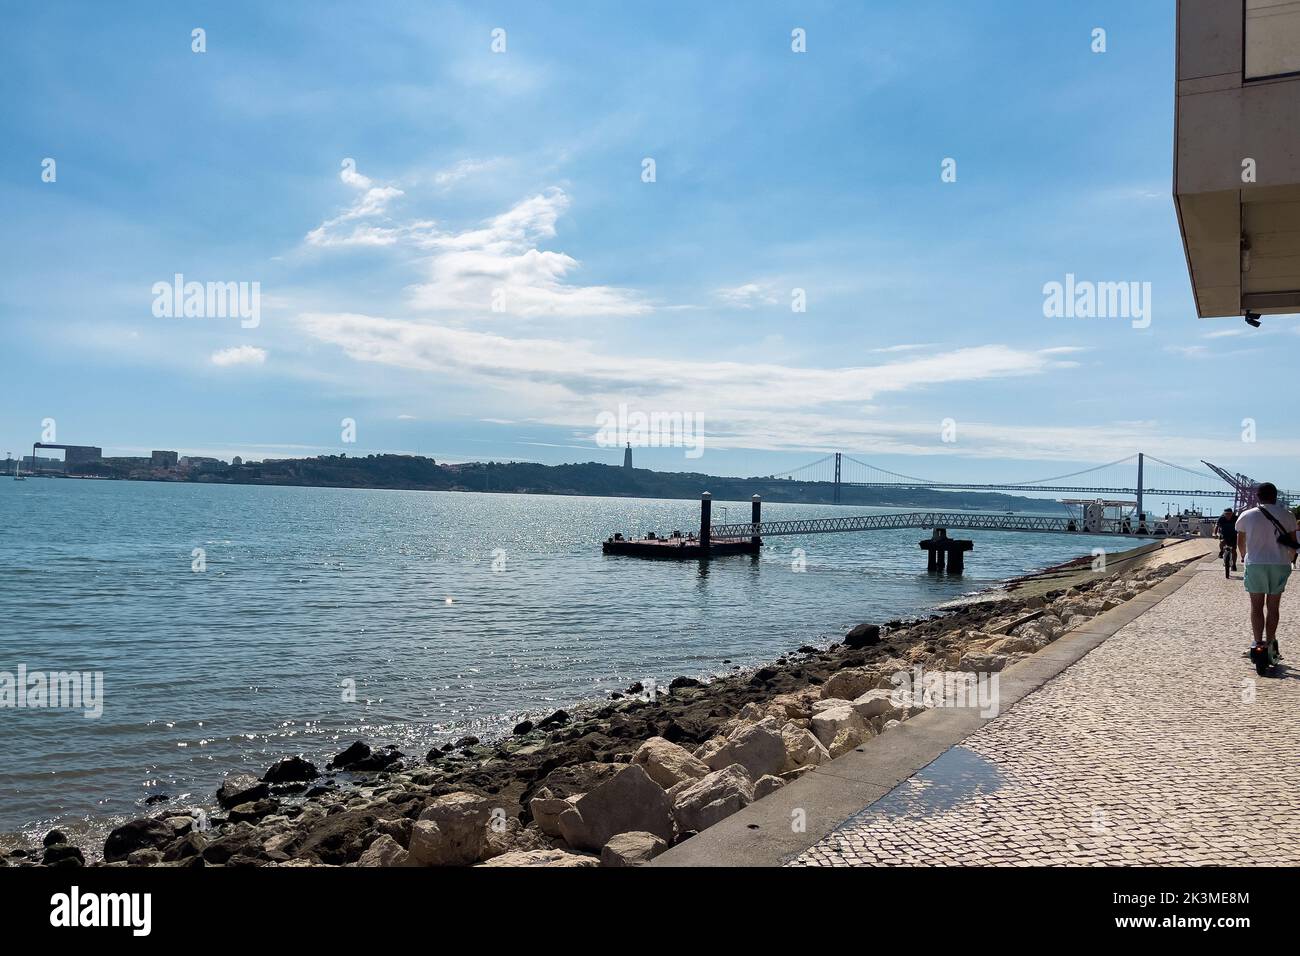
<point x="235" y="624"/>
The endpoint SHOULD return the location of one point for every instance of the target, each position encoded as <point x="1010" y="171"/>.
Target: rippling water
<point x="452" y="613"/>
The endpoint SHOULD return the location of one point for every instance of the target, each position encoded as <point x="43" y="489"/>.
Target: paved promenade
<point x="1160" y="747"/>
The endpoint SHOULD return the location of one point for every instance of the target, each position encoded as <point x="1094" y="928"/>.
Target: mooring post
<point x="755" y="517"/>
<point x="957" y="556"/>
<point x="934" y="548"/>
<point x="706" y="522"/>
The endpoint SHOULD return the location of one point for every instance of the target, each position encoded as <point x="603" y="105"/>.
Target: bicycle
<point x="1229" y="555"/>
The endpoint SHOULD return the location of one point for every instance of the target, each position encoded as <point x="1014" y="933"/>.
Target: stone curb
<point x="762" y="834"/>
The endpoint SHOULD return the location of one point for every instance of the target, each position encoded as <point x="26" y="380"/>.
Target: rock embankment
<point x="613" y="785"/>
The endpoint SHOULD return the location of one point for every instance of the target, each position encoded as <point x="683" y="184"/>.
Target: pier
<point x="945" y="553"/>
<point x="710" y="542"/>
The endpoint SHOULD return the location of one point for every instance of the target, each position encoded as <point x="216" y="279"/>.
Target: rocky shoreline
<point x="612" y="784"/>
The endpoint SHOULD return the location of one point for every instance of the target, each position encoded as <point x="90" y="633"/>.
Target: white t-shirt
<point x="1262" y="546"/>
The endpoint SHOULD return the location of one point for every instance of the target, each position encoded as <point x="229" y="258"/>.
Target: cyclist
<point x="1268" y="560"/>
<point x="1226" y="532"/>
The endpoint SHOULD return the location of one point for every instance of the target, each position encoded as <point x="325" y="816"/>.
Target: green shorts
<point x="1267" y="578"/>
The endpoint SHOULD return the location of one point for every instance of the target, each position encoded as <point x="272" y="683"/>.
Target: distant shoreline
<point x="590" y="479"/>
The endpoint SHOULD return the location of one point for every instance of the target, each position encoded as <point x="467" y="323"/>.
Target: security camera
<point x="1252" y="319"/>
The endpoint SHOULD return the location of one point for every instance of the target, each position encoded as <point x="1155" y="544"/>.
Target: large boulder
<point x="879" y="703"/>
<point x="338" y="839"/>
<point x="849" y="683"/>
<point x="667" y="763"/>
<point x="241" y="788"/>
<point x="802" y="749"/>
<point x="359" y="757"/>
<point x="513" y="837"/>
<point x="796" y="705"/>
<point x="290" y="769"/>
<point x="451" y="830"/>
<point x="829" y="723"/>
<point x="629" y="800"/>
<point x="253" y="810"/>
<point x="703" y="803"/>
<point x="756" y="747"/>
<point x="385" y="851"/>
<point x="1025" y="641"/>
<point x="541" y="858"/>
<point x="767" y="784"/>
<point x="546" y="813"/>
<point x="354" y="753"/>
<point x="710" y="747"/>
<point x="240" y="841"/>
<point x="864" y="635"/>
<point x="66" y="855"/>
<point x="136" y="835"/>
<point x="557" y="719"/>
<point x="577" y="778"/>
<point x="847" y="738"/>
<point x="982" y="662"/>
<point x="830" y="703"/>
<point x="632" y="849"/>
<point x="190" y="845"/>
<point x="551" y="799"/>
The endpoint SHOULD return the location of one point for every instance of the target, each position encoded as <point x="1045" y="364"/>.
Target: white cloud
<point x="501" y="269"/>
<point x="239" y="355"/>
<point x="757" y="405"/>
<point x="750" y="294"/>
<point x="497" y="269"/>
<point x="373" y="201"/>
<point x="462" y="170"/>
<point x="913" y="348"/>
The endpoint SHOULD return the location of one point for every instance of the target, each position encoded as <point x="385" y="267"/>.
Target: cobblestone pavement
<point x="1161" y="747"/>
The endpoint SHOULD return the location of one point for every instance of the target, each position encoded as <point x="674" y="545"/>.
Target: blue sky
<point x="520" y="173"/>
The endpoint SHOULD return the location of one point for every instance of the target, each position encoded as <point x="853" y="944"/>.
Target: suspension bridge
<point x="1138" y="475"/>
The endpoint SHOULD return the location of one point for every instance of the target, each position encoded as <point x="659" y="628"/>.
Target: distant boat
<point x="18" y="468"/>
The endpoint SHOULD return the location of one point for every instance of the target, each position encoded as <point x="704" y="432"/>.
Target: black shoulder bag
<point x="1284" y="537"/>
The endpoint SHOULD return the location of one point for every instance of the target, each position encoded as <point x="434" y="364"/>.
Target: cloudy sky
<point x="457" y="246"/>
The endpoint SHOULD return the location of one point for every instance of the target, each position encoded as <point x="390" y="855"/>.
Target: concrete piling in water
<point x="756" y="517"/>
<point x="943" y="550"/>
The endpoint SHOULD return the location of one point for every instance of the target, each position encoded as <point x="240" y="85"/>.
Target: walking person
<point x="1267" y="543"/>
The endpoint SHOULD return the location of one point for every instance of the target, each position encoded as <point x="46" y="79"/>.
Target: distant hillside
<point x="592" y="478"/>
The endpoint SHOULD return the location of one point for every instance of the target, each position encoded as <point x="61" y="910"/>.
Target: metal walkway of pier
<point x="953" y="520"/>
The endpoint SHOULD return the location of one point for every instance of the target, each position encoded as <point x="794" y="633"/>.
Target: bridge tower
<point x="1141" y="461"/>
<point x="837" y="477"/>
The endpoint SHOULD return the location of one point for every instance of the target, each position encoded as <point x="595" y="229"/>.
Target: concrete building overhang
<point x="1237" y="153"/>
